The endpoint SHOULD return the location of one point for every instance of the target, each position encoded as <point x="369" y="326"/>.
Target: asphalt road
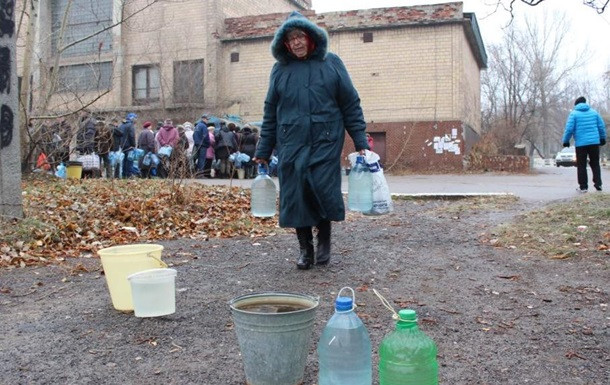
<point x="545" y="183"/>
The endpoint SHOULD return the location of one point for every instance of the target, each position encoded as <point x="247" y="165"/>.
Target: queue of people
<point x="162" y="149"/>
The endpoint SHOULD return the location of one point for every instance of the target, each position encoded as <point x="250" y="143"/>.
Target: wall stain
<point x="5" y="70"/>
<point x="7" y="24"/>
<point x="6" y="126"/>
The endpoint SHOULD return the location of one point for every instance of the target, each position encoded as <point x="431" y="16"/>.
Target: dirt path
<point x="497" y="315"/>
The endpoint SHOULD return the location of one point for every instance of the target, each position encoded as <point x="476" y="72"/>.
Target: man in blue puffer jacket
<point x="589" y="131"/>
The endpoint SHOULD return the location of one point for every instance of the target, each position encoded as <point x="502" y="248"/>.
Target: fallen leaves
<point x="76" y="218"/>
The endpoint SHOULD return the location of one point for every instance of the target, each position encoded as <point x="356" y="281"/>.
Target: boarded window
<point x="188" y="81"/>
<point x="367" y="37"/>
<point x="234" y="57"/>
<point x="84" y="18"/>
<point x="146" y="84"/>
<point x="85" y="77"/>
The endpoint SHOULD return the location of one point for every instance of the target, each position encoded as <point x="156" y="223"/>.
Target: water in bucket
<point x="274" y="334"/>
<point x="121" y="261"/>
<point x="153" y="292"/>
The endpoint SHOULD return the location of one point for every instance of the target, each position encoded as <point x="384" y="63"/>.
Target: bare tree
<point x="61" y="96"/>
<point x="527" y="84"/>
<point x="598" y="5"/>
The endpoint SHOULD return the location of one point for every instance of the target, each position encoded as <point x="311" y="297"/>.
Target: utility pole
<point x="10" y="159"/>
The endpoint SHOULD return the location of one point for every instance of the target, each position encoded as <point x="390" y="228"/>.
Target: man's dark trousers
<point x="592" y="152"/>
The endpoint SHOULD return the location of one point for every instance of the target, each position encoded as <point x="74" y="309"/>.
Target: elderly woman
<point x="310" y="104"/>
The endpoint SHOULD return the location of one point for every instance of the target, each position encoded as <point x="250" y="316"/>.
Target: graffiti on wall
<point x="7" y="28"/>
<point x="448" y="143"/>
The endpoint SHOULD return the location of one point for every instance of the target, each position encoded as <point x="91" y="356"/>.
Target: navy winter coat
<point x="586" y="125"/>
<point x="309" y="106"/>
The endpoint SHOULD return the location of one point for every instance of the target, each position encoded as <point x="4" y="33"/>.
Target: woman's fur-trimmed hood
<point x="296" y="20"/>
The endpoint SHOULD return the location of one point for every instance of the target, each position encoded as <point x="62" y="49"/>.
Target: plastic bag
<point x="61" y="171"/>
<point x="135" y="154"/>
<point x="150" y="160"/>
<point x="42" y="162"/>
<point x="116" y="157"/>
<point x="239" y="158"/>
<point x="382" y="199"/>
<point x="165" y="151"/>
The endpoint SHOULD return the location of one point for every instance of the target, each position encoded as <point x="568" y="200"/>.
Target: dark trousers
<point x="105" y="160"/>
<point x="201" y="152"/>
<point x="592" y="152"/>
<point x="127" y="165"/>
<point x="207" y="168"/>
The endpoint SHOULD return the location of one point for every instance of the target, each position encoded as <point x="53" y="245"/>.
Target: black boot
<point x="306" y="248"/>
<point x="323" y="249"/>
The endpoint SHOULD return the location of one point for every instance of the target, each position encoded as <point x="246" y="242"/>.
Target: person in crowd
<point x="209" y="154"/>
<point x="62" y="131"/>
<point x="179" y="162"/>
<point x="146" y="142"/>
<point x="85" y="137"/>
<point x="128" y="142"/>
<point x="247" y="145"/>
<point x="188" y="132"/>
<point x="168" y="136"/>
<point x="201" y="141"/>
<point x="226" y="144"/>
<point x="159" y="127"/>
<point x="589" y="131"/>
<point x="305" y="120"/>
<point x="103" y="144"/>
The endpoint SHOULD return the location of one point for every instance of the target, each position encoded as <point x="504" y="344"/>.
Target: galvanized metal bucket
<point x="274" y="345"/>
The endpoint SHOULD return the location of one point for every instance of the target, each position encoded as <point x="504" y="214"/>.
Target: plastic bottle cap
<point x="407" y="319"/>
<point x="344" y="303"/>
<point x="407" y="315"/>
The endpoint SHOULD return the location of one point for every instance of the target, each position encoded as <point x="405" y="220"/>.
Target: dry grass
<point x="562" y="230"/>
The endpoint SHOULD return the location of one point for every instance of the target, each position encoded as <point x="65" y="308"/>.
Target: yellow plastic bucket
<point x="121" y="261"/>
<point x="74" y="170"/>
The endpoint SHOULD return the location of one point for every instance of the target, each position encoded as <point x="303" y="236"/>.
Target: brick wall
<point x="415" y="146"/>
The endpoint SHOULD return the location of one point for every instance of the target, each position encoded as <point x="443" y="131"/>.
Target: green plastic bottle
<point x="407" y="356"/>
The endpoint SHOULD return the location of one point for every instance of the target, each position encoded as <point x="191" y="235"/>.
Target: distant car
<point x="566" y="157"/>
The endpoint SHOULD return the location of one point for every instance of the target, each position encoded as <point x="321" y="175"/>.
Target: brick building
<point x="417" y="69"/>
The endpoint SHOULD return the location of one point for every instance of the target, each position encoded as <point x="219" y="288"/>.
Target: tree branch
<point x="62" y="49"/>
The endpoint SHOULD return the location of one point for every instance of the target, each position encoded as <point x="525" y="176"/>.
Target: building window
<point x="188" y="81"/>
<point x="84" y="17"/>
<point x="367" y="37"/>
<point x="146" y="84"/>
<point x="234" y="57"/>
<point x="84" y="77"/>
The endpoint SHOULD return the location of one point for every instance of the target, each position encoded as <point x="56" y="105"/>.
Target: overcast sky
<point x="587" y="26"/>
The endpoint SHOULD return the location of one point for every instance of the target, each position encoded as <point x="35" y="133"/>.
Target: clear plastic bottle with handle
<point x="263" y="194"/>
<point x="344" y="349"/>
<point x="360" y="187"/>
<point x="407" y="356"/>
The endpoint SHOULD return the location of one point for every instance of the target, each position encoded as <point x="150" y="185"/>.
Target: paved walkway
<point x="544" y="184"/>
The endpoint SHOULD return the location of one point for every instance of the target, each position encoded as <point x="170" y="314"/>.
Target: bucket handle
<point x="163" y="264"/>
<point x="353" y="298"/>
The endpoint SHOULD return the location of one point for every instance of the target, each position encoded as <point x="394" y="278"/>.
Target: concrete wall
<point x="10" y="160"/>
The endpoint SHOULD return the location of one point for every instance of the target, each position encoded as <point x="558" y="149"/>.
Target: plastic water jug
<point x="407" y="356"/>
<point x="61" y="171"/>
<point x="344" y="349"/>
<point x="263" y="194"/>
<point x="360" y="187"/>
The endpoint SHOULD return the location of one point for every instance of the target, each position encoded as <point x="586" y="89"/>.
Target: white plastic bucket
<point x="121" y="261"/>
<point x="153" y="292"/>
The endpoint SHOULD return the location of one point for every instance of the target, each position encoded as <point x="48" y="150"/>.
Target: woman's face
<point x="297" y="41"/>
